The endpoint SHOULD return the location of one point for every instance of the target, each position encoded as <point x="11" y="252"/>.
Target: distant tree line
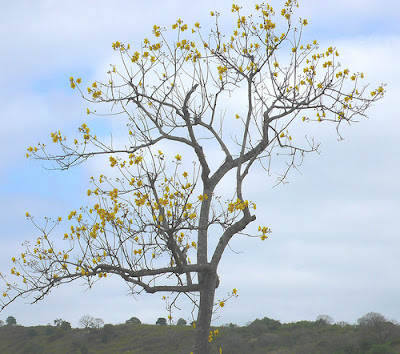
<point x="372" y="333"/>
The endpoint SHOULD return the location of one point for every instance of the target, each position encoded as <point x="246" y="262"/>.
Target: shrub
<point x="181" y="322"/>
<point x="161" y="321"/>
<point x="133" y="320"/>
<point x="11" y="321"/>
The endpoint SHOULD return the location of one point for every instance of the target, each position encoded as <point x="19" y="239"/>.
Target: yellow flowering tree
<point x="151" y="224"/>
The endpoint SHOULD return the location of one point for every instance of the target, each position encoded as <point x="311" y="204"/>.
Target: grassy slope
<point x="300" y="337"/>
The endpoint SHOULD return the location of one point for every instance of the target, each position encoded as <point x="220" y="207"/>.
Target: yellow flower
<point x="212" y="13"/>
<point x="178" y="157"/>
<point x="27" y="215"/>
<point x="138" y="159"/>
<point x="221" y="303"/>
<point x="234" y="291"/>
<point x="78" y="80"/>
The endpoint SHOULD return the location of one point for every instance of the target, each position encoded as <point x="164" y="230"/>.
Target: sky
<point x="335" y="245"/>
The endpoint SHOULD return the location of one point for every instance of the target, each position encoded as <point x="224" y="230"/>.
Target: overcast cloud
<point x="335" y="246"/>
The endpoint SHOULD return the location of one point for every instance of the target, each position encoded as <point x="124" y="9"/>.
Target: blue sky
<point x="335" y="246"/>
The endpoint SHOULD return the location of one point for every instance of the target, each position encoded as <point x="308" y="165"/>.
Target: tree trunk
<point x="207" y="292"/>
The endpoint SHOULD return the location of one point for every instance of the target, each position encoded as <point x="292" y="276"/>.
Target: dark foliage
<point x="181" y="322"/>
<point x="11" y="321"/>
<point x="161" y="321"/>
<point x="133" y="320"/>
<point x="261" y="336"/>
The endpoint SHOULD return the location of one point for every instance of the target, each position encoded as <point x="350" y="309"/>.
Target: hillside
<point x="260" y="336"/>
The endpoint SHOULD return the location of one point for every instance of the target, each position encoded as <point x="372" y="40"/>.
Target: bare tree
<point x="58" y="322"/>
<point x="225" y="102"/>
<point x="87" y="321"/>
<point x="324" y="320"/>
<point x="98" y="323"/>
<point x="377" y="327"/>
<point x="91" y="322"/>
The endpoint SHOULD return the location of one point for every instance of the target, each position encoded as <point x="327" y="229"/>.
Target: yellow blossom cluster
<point x="221" y="71"/>
<point x="202" y="197"/>
<point x="156" y="31"/>
<point x="238" y="205"/>
<point x="213" y="333"/>
<point x="56" y="137"/>
<point x="235" y="8"/>
<point x="85" y="130"/>
<point x="113" y="161"/>
<point x="120" y="46"/>
<point x="264" y="230"/>
<point x="189" y="48"/>
<point x="31" y="149"/>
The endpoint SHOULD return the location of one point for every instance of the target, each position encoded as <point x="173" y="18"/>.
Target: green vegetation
<point x="181" y="322"/>
<point x="11" y="321"/>
<point x="161" y="321"/>
<point x="372" y="334"/>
